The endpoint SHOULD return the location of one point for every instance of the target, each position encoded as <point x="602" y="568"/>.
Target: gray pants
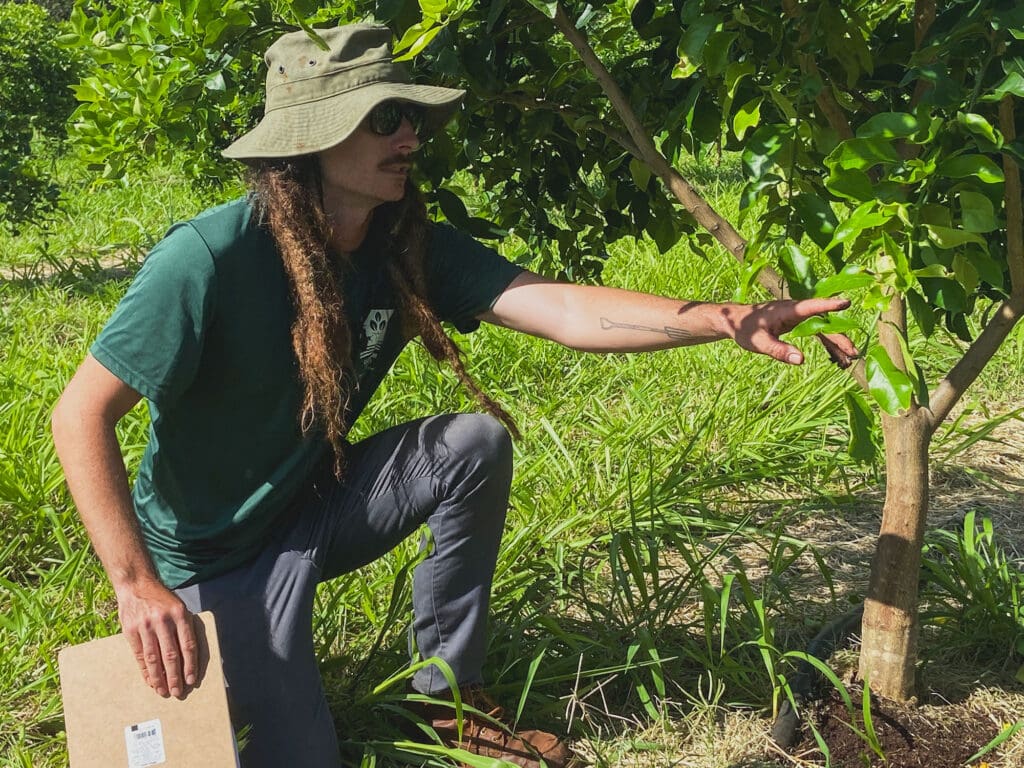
<point x="452" y="473"/>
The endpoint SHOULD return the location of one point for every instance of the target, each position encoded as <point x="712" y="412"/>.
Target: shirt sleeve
<point x="464" y="276"/>
<point x="154" y="340"/>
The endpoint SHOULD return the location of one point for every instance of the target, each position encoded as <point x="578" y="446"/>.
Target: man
<point x="257" y="332"/>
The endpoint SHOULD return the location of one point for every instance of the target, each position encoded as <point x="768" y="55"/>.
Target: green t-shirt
<point x="204" y="334"/>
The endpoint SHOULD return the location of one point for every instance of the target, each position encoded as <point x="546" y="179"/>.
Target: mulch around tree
<point x="910" y="737"/>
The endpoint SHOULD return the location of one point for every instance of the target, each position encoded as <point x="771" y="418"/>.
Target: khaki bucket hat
<point x="317" y="97"/>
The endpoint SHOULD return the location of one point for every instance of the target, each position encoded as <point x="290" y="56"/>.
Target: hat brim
<point x="314" y="126"/>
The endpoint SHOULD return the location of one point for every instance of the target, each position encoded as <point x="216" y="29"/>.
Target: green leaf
<point x="1012" y="84"/>
<point x="690" y="51"/>
<point x="452" y="207"/>
<point x="962" y="166"/>
<point x="816" y="216"/>
<point x="548" y="9"/>
<point x="864" y="217"/>
<point x="889" y="125"/>
<point x="747" y="117"/>
<point x="812" y="326"/>
<point x="849" y="279"/>
<point x="416" y="38"/>
<point x="989" y="270"/>
<point x="798" y="272"/>
<point x="979" y="126"/>
<point x="764" y="148"/>
<point x="716" y="51"/>
<point x="948" y="237"/>
<point x="923" y="314"/>
<point x="977" y="212"/>
<point x="850" y="183"/>
<point x="734" y="73"/>
<point x="897" y="262"/>
<point x="862" y="154"/>
<point x="861" y="422"/>
<point x="889" y="386"/>
<point x="640" y="172"/>
<point x="965" y="273"/>
<point x="944" y="293"/>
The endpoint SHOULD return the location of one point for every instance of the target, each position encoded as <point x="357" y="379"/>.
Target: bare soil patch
<point x="945" y="736"/>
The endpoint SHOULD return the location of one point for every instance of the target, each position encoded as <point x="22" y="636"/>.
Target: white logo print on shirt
<point x="375" y="328"/>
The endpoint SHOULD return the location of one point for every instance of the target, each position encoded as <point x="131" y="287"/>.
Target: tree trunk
<point x="890" y="627"/>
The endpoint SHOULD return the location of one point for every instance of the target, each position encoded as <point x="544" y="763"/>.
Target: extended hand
<point x="160" y="632"/>
<point x="757" y="327"/>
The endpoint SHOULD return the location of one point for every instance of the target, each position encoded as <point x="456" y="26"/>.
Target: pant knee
<point x="482" y="441"/>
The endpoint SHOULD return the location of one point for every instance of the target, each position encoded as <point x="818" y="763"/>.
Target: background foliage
<point x="35" y="101"/>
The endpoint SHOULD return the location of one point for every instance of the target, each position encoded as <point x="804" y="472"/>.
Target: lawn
<point x="679" y="520"/>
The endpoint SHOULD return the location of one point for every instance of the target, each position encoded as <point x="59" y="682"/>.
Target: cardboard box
<point x="114" y="719"/>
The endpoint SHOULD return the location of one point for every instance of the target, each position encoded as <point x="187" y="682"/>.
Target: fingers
<point x="811" y="307"/>
<point x="171" y="657"/>
<point x="840" y="349"/>
<point x="189" y="648"/>
<point x="152" y="661"/>
<point x="162" y="638"/>
<point x="780" y="350"/>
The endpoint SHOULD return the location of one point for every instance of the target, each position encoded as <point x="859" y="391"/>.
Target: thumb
<point x="781" y="351"/>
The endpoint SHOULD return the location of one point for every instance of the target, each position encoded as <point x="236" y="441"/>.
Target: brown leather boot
<point x="490" y="735"/>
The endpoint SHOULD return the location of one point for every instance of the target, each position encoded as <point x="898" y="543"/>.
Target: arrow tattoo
<point x="677" y="334"/>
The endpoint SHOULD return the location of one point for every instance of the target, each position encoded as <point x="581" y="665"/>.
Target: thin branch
<point x="826" y="99"/>
<point x="1012" y="196"/>
<point x="706" y="216"/>
<point x="525" y="102"/>
<point x="952" y="387"/>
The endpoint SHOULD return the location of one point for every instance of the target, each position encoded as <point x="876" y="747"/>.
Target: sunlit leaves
<point x="890" y="387"/>
<point x="888" y="125"/>
<point x="980" y="166"/>
<point x="977" y="212"/>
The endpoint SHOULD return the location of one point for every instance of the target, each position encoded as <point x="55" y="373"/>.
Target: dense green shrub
<point x="58" y="9"/>
<point x="35" y="101"/>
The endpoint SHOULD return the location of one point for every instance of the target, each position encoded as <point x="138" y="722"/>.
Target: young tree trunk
<point x="890" y="625"/>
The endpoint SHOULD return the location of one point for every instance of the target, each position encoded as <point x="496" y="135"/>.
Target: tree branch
<point x="826" y="100"/>
<point x="952" y="387"/>
<point x="924" y="17"/>
<point x="525" y="102"/>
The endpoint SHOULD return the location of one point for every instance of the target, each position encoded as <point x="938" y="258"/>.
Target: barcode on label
<point x="145" y="744"/>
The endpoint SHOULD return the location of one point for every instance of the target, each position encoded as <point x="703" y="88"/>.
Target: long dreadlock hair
<point x="288" y="196"/>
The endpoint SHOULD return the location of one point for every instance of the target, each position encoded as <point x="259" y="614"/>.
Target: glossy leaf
<point x="977" y="212"/>
<point x="747" y="117"/>
<point x="962" y="166"/>
<point x="849" y="279"/>
<point x="860" y="420"/>
<point x="864" y="217"/>
<point x="834" y="323"/>
<point x="889" y="125"/>
<point x="890" y="387"/>
<point x="948" y="237"/>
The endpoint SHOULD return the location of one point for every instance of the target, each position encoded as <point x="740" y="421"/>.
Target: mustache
<point x="396" y="160"/>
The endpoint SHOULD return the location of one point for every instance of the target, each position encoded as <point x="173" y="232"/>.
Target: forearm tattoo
<point x="676" y="334"/>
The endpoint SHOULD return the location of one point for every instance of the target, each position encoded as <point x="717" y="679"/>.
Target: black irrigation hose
<point x="806" y="683"/>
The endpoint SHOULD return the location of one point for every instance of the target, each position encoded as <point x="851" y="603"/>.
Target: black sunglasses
<point x="386" y="117"/>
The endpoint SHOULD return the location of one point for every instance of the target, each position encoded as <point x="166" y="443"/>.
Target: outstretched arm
<point x="602" y="319"/>
<point x="155" y="621"/>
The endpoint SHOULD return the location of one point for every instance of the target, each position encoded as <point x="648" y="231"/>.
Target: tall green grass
<point x="646" y="557"/>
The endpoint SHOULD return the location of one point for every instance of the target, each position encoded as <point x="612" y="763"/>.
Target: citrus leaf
<point x="861" y="421"/>
<point x="812" y="326"/>
<point x="889" y="125"/>
<point x="962" y="166"/>
<point x="889" y="386"/>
